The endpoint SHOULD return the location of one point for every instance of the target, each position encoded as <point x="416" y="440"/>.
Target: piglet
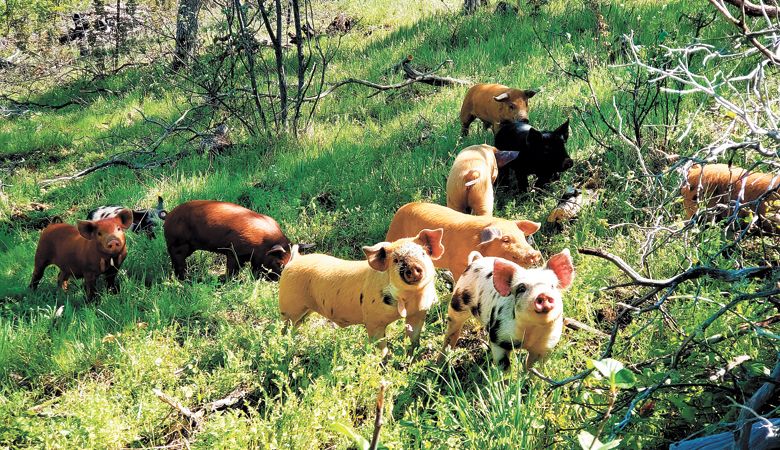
<point x="144" y="220"/>
<point x="241" y="234"/>
<point x="464" y="233"/>
<point x="88" y="250"/>
<point x="395" y="281"/>
<point x="527" y="151"/>
<point x="470" y="182"/>
<point x="520" y="308"/>
<point x="493" y="104"/>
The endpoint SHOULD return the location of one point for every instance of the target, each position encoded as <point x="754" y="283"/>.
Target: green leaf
<point x="587" y="440"/>
<point x="625" y="379"/>
<point x="347" y="431"/>
<point x="609" y="445"/>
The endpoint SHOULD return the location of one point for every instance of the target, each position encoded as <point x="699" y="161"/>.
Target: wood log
<point x="762" y="437"/>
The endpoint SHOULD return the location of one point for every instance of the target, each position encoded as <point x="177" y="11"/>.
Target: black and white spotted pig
<point x="144" y="220"/>
<point x="520" y="308"/>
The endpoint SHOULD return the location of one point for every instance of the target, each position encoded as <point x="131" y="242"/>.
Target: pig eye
<point x="521" y="288"/>
<point x="100" y="233"/>
<point x="395" y="260"/>
<point x="505" y="239"/>
<point x="511" y="106"/>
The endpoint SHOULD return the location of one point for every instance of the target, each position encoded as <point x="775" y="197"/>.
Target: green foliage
<point x="76" y="375"/>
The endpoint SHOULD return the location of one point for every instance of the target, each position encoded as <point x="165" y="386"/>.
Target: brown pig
<point x="396" y="281"/>
<point x="470" y="182"/>
<point x="493" y="104"/>
<point x="88" y="250"/>
<point x="724" y="184"/>
<point x="228" y="229"/>
<point x="463" y="233"/>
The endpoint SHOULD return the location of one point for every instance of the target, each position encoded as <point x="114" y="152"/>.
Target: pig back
<point x="223" y="228"/>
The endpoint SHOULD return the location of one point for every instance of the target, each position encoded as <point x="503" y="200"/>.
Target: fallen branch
<point x="751" y="408"/>
<point x="576" y="325"/>
<point x="751" y="9"/>
<point x="690" y="274"/>
<point x="427" y="78"/>
<point x="412" y="73"/>
<point x="378" y="422"/>
<point x="762" y="437"/>
<point x="193" y="417"/>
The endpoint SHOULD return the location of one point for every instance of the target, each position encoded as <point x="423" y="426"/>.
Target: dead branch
<point x="742" y="25"/>
<point x="576" y="325"/>
<point x="690" y="274"/>
<point x="426" y="78"/>
<point x="751" y="9"/>
<point x="193" y="417"/>
<point x="751" y="408"/>
<point x="378" y="422"/>
<point x="762" y="437"/>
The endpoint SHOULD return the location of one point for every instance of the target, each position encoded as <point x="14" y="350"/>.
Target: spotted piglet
<point x="520" y="308"/>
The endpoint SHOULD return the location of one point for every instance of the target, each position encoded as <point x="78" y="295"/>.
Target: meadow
<point x="83" y="375"/>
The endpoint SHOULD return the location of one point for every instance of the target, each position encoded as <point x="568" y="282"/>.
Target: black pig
<point x="532" y="152"/>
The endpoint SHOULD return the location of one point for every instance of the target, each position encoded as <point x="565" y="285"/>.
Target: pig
<point x="88" y="250"/>
<point x="463" y="233"/>
<point x="470" y="182"/>
<point x="242" y="235"/>
<point x="532" y="152"/>
<point x="519" y="308"/>
<point x="724" y="184"/>
<point x="144" y="220"/>
<point x="395" y="281"/>
<point x="493" y="104"/>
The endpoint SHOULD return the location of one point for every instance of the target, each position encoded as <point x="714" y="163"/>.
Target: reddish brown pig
<point x="242" y="235"/>
<point x="463" y="233"/>
<point x="723" y="184"/>
<point x="88" y="250"/>
<point x="493" y="104"/>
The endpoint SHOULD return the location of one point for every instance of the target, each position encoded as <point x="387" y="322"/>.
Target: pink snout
<point x="114" y="245"/>
<point x="544" y="304"/>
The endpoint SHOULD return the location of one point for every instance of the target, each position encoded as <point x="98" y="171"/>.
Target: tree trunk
<point x="186" y="32"/>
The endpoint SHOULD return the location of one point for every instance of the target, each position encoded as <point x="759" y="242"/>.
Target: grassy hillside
<point x="76" y="375"/>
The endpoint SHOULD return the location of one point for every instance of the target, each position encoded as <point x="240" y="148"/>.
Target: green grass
<point x="84" y="378"/>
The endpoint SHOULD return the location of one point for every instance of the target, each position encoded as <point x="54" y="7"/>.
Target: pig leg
<point x="111" y="284"/>
<point x="40" y="267"/>
<point x="465" y="123"/>
<point x="376" y="331"/>
<point x="455" y="321"/>
<point x="179" y="256"/>
<point x="90" y="284"/>
<point x="500" y="356"/>
<point x="414" y="326"/>
<point x="233" y="266"/>
<point x="62" y="280"/>
<point x="484" y="205"/>
<point x="531" y="359"/>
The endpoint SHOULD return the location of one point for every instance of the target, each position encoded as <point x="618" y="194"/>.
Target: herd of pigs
<point x="490" y="260"/>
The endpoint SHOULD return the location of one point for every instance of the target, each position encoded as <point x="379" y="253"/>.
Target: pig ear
<point x="563" y="131"/>
<point x="563" y="267"/>
<point x="530" y="93"/>
<point x="377" y="256"/>
<point x="503" y="273"/>
<point x="504" y="96"/>
<point x="534" y="137"/>
<point x="505" y="157"/>
<point x="488" y="234"/>
<point x="473" y="256"/>
<point x="87" y="229"/>
<point x="126" y="217"/>
<point x="431" y="242"/>
<point x="159" y="203"/>
<point x="138" y="215"/>
<point x="528" y="227"/>
<point x="277" y="250"/>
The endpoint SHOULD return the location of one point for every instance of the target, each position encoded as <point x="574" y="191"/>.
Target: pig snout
<point x="412" y="273"/>
<point x="530" y="258"/>
<point x="113" y="244"/>
<point x="544" y="304"/>
<point x="567" y="164"/>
